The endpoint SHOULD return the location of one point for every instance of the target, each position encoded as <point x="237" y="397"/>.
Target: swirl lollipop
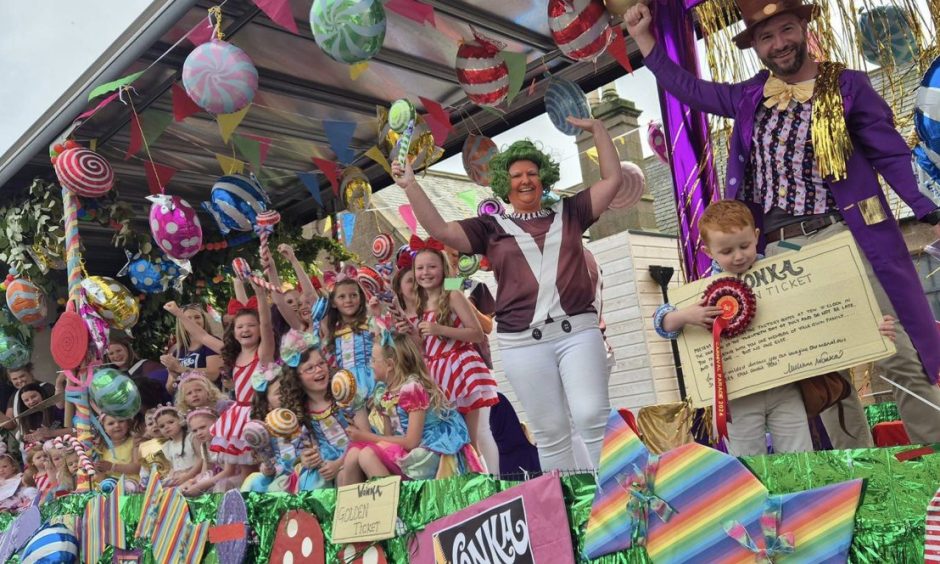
<point x="468" y="265"/>
<point x="84" y="172"/>
<point x="382" y="247"/>
<point x="282" y="423"/>
<point x="343" y="387"/>
<point x="401" y="118"/>
<point x="264" y="227"/>
<point x="69" y="341"/>
<point x="257" y="436"/>
<point x="490" y="206"/>
<point x="370" y="280"/>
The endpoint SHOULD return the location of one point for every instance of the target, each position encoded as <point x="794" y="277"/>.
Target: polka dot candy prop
<point x="580" y="28"/>
<point x="348" y="31"/>
<point x="175" y="226"/>
<point x="112" y="301"/>
<point x="219" y="77"/>
<point x="299" y="538"/>
<point x="84" y="172"/>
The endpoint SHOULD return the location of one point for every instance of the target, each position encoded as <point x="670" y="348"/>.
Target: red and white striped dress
<point x="228" y="429"/>
<point x="459" y="369"/>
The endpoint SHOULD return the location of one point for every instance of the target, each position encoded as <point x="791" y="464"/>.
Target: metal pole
<point x="662" y="275"/>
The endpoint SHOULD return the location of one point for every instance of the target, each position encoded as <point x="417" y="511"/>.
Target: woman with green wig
<point x="547" y="327"/>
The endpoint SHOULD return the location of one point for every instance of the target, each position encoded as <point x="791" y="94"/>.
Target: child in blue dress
<point x="344" y="329"/>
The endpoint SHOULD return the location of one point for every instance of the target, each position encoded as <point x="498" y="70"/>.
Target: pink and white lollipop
<point x="220" y="77"/>
<point x="84" y="172"/>
<point x="382" y="247"/>
<point x="257" y="436"/>
<point x="175" y="226"/>
<point x="244" y="273"/>
<point x="264" y="227"/>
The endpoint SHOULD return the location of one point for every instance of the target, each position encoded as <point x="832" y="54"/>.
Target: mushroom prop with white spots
<point x="298" y="539"/>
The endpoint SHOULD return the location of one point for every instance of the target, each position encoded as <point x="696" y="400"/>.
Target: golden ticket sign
<point x="816" y="313"/>
<point x="366" y="512"/>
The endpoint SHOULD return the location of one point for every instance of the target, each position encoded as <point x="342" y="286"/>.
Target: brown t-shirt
<point x="517" y="286"/>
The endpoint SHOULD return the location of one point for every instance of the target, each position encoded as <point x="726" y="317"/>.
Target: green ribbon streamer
<point x="114" y="85"/>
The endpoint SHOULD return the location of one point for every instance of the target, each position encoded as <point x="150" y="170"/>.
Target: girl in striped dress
<point x="248" y="347"/>
<point x="450" y="329"/>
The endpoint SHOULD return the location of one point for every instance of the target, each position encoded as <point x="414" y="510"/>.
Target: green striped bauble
<point x="349" y="31"/>
<point x="114" y="393"/>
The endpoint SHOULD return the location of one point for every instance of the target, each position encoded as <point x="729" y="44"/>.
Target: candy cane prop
<point x="243" y="272"/>
<point x="264" y="227"/>
<point x="76" y="445"/>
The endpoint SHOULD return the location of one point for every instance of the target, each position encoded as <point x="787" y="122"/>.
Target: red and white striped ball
<point x="580" y="28"/>
<point x="382" y="247"/>
<point x="482" y="72"/>
<point x="84" y="172"/>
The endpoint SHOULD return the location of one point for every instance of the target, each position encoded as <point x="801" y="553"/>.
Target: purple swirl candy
<point x="490" y="206"/>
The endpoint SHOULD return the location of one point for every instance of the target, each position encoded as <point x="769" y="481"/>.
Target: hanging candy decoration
<point x="888" y="39"/>
<point x="382" y="247"/>
<point x="146" y="276"/>
<point x="422" y="152"/>
<point x="236" y="201"/>
<point x="69" y="340"/>
<point x="564" y="98"/>
<point x="112" y="301"/>
<point x="580" y="28"/>
<point x="482" y="71"/>
<point x="927" y="108"/>
<point x="631" y="188"/>
<point x="175" y="226"/>
<point x="84" y="172"/>
<point x="54" y="543"/>
<point x="14" y="352"/>
<point x="115" y="393"/>
<point x="27" y="302"/>
<point x="477" y="152"/>
<point x="218" y="76"/>
<point x="355" y="189"/>
<point x="348" y="31"/>
<point x="657" y="141"/>
<point x="490" y="206"/>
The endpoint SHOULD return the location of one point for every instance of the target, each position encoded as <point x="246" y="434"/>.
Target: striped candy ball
<point x="53" y="544"/>
<point x="477" y="152"/>
<point x="927" y="108"/>
<point x="887" y="36"/>
<point x="468" y="265"/>
<point x="175" y="226"/>
<point x="84" y="172"/>
<point x="580" y="28"/>
<point x="27" y="302"/>
<point x="236" y="201"/>
<point x="482" y="72"/>
<point x="348" y="31"/>
<point x="220" y="77"/>
<point x="282" y="422"/>
<point x="631" y="188"/>
<point x="565" y="98"/>
<point x="382" y="247"/>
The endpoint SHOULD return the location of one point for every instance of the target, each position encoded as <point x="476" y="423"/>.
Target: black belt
<point x="802" y="228"/>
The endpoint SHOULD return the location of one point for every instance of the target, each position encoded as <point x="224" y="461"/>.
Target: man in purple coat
<point x="773" y="166"/>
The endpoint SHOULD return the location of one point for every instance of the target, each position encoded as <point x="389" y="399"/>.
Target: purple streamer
<point x="686" y="135"/>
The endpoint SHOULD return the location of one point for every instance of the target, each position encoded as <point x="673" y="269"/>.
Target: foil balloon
<point x="549" y="199"/>
<point x="175" y="226"/>
<point x="927" y="109"/>
<point x="27" y="302"/>
<point x="619" y="7"/>
<point x="147" y="276"/>
<point x="580" y="28"/>
<point x="112" y="301"/>
<point x="888" y="37"/>
<point x="115" y="393"/>
<point x="236" y="201"/>
<point x="14" y="352"/>
<point x="477" y="152"/>
<point x="84" y="172"/>
<point x="482" y="71"/>
<point x="657" y="141"/>
<point x="564" y="98"/>
<point x="631" y="188"/>
<point x="422" y="151"/>
<point x="219" y="77"/>
<point x="348" y="31"/>
<point x="356" y="189"/>
<point x="52" y="544"/>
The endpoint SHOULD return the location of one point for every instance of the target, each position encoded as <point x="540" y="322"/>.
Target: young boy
<point x="730" y="239"/>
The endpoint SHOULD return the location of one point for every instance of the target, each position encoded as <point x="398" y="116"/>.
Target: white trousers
<point x="779" y="411"/>
<point x="561" y="382"/>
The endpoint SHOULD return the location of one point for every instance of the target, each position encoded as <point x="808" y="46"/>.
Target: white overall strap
<point x="543" y="264"/>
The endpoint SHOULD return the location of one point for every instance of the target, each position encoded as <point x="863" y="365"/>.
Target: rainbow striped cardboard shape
<point x="708" y="490"/>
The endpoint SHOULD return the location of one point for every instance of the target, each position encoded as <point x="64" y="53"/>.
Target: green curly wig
<point x="523" y="150"/>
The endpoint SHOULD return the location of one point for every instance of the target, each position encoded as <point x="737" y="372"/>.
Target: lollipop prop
<point x="401" y="119"/>
<point x="244" y="273"/>
<point x="264" y="227"/>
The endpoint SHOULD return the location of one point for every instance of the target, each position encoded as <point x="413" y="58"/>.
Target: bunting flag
<point x="331" y="172"/>
<point x="469" y="198"/>
<point x="438" y="120"/>
<point x="280" y="13"/>
<point x="340" y="135"/>
<point x="328" y="225"/>
<point x="413" y="10"/>
<point x="264" y="143"/>
<point x="228" y="122"/>
<point x="250" y="149"/>
<point x="349" y="225"/>
<point x="200" y="33"/>
<point x="113" y="85"/>
<point x="408" y="215"/>
<point x="376" y="155"/>
<point x="146" y="128"/>
<point x="100" y="105"/>
<point x="136" y="138"/>
<point x="516" y="63"/>
<point x="230" y="165"/>
<point x="183" y="105"/>
<point x="312" y="184"/>
<point x="618" y="49"/>
<point x="356" y="69"/>
<point x="158" y="176"/>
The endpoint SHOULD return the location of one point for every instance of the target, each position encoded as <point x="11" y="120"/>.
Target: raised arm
<point x="287" y="312"/>
<point x="306" y="286"/>
<point x="604" y="190"/>
<point x="266" y="349"/>
<point x="240" y="293"/>
<point x="448" y="232"/>
<point x="198" y="334"/>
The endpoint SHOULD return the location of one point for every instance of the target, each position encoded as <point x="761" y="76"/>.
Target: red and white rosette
<point x="481" y="70"/>
<point x="738" y="306"/>
<point x="580" y="28"/>
<point x="84" y="172"/>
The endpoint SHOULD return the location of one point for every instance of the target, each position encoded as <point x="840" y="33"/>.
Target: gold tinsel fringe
<point x="831" y="140"/>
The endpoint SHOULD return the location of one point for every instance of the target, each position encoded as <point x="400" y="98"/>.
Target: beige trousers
<point x="921" y="421"/>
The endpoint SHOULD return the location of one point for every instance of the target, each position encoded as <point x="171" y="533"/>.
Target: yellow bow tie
<point x="779" y="93"/>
